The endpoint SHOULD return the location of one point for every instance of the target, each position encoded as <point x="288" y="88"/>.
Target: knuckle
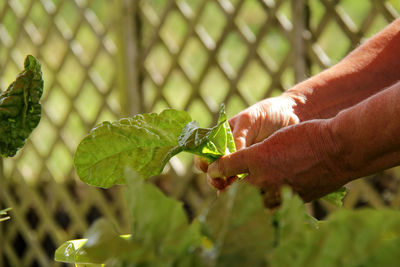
<point x="246" y="117"/>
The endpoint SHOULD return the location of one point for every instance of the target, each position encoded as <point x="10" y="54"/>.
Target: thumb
<point x="229" y="165"/>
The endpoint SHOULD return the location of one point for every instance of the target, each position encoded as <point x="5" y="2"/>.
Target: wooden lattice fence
<point x="108" y="59"/>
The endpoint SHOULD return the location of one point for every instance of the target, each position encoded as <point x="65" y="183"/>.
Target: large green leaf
<point x="160" y="224"/>
<point x="20" y="108"/>
<point x="239" y="228"/>
<point x="347" y="238"/>
<point x="386" y="255"/>
<point x="162" y="235"/>
<point x="145" y="143"/>
<point x="292" y="218"/>
<point x="292" y="223"/>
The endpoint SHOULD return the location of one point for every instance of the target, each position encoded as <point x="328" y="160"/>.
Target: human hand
<point x="260" y="120"/>
<point x="253" y="125"/>
<point x="302" y="156"/>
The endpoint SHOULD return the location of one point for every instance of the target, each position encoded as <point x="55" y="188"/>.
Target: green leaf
<point x="20" y="108"/>
<point x="209" y="143"/>
<point x="386" y="255"/>
<point x="347" y="238"/>
<point x="160" y="224"/>
<point x="102" y="244"/>
<point x="145" y="143"/>
<point x="292" y="219"/>
<point x="336" y="198"/>
<point x="239" y="228"/>
<point x="162" y="235"/>
<point x="292" y="224"/>
<point x="67" y="252"/>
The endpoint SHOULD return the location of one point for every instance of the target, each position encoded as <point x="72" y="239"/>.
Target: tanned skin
<point x="337" y="126"/>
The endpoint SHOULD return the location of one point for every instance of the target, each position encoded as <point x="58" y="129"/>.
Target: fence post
<point x="298" y="42"/>
<point x="128" y="57"/>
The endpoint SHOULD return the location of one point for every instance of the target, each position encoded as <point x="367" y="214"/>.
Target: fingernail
<point x="213" y="170"/>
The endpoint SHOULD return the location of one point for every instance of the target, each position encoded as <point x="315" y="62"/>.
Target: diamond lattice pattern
<point x="76" y="44"/>
<point x="193" y="55"/>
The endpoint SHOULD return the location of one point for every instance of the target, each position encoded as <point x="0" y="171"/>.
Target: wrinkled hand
<point x="253" y="125"/>
<point x="302" y="156"/>
<point x="260" y="120"/>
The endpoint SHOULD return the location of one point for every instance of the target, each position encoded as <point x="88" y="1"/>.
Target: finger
<point x="200" y="163"/>
<point x="243" y="134"/>
<point x="229" y="165"/>
<point x="221" y="183"/>
<point x="218" y="183"/>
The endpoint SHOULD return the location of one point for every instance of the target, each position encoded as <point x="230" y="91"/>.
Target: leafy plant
<point x="363" y="237"/>
<point x="145" y="143"/>
<point x="20" y="109"/>
<point x="162" y="235"/>
<point x="235" y="230"/>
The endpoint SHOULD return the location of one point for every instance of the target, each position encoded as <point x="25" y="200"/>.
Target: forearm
<point x="367" y="136"/>
<point x="367" y="70"/>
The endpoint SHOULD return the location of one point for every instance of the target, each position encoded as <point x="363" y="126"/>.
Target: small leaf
<point x="68" y="250"/>
<point x="209" y="143"/>
<point x="336" y="198"/>
<point x="102" y="244"/>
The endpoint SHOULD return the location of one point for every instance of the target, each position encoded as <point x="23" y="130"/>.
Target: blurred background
<point x="104" y="60"/>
